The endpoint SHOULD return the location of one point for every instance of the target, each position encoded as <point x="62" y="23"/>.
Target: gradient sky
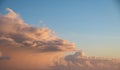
<point x="94" y="25"/>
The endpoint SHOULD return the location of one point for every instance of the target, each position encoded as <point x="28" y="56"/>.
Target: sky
<point x="93" y="25"/>
<point x="59" y="35"/>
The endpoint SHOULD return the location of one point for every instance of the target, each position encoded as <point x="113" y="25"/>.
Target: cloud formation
<point x="79" y="61"/>
<point x="15" y="32"/>
<point x="19" y="43"/>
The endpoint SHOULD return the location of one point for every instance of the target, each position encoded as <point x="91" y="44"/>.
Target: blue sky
<point x="94" y="25"/>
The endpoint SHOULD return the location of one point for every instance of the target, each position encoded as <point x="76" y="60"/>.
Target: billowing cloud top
<point x="80" y="61"/>
<point x="15" y="32"/>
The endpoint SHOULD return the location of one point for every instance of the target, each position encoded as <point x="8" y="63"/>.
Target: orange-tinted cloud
<point x="24" y="47"/>
<point x="15" y="32"/>
<point x="80" y="61"/>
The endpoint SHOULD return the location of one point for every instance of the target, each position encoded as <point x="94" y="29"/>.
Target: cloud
<point x="79" y="61"/>
<point x="3" y="57"/>
<point x="21" y="41"/>
<point x="15" y="32"/>
<point x="0" y="54"/>
<point x="32" y="48"/>
<point x="22" y="59"/>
